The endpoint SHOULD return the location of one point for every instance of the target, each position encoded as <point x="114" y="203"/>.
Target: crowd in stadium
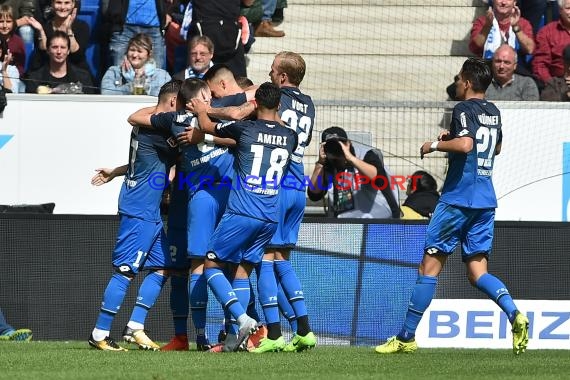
<point x="52" y="45"/>
<point x="47" y="62"/>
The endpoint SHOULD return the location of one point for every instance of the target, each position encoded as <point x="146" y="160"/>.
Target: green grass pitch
<point x="76" y="360"/>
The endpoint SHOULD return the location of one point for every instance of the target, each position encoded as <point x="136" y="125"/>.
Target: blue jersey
<point x="263" y="153"/>
<point x="202" y="163"/>
<point x="468" y="182"/>
<point x="150" y="156"/>
<point x="298" y="112"/>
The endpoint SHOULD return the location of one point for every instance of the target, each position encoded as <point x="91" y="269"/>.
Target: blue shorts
<point x="451" y="225"/>
<point x="240" y="238"/>
<point x="205" y="210"/>
<point x="292" y="209"/>
<point x="141" y="244"/>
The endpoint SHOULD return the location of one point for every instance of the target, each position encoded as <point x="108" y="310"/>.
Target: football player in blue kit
<point x="263" y="152"/>
<point x="141" y="241"/>
<point x="205" y="174"/>
<point x="465" y="212"/>
<point x="298" y="112"/>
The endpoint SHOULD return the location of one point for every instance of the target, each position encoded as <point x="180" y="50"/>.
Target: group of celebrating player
<point x="217" y="233"/>
<point x="227" y="231"/>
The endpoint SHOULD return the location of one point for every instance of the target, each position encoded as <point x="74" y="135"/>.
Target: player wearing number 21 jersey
<point x="465" y="213"/>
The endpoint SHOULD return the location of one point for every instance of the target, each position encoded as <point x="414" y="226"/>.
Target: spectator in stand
<point x="558" y="88"/>
<point x="218" y="19"/>
<point x="533" y="11"/>
<point x="200" y="54"/>
<point x="422" y="196"/>
<point x="502" y="24"/>
<point x="138" y="73"/>
<point x="506" y="85"/>
<point x="265" y="27"/>
<point x="15" y="43"/>
<point x="64" y="19"/>
<point x="57" y="74"/>
<point x="126" y="18"/>
<point x="175" y="35"/>
<point x="550" y="41"/>
<point x="9" y="75"/>
<point x="22" y="11"/>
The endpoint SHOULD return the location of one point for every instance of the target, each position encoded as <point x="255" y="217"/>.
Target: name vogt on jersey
<point x="298" y="106"/>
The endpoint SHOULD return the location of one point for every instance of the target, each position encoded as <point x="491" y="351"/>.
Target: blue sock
<point x="112" y="300"/>
<point x="179" y="303"/>
<point x="251" y="309"/>
<point x="267" y="289"/>
<point x="198" y="301"/>
<point x="223" y="291"/>
<point x="421" y="298"/>
<point x="148" y="294"/>
<point x="498" y="292"/>
<point x="242" y="290"/>
<point x="291" y="286"/>
<point x="286" y="309"/>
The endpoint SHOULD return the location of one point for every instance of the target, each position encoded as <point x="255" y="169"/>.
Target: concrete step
<point x="370" y="77"/>
<point x="380" y="3"/>
<point x="347" y="46"/>
<point x="399" y="34"/>
<point x="354" y="14"/>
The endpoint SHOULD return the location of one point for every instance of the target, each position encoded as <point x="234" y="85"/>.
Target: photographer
<point x="354" y="178"/>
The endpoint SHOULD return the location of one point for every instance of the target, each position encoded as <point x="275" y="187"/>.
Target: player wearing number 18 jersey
<point x="466" y="210"/>
<point x="263" y="152"/>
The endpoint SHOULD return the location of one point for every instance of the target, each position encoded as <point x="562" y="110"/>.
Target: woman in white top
<point x="9" y="75"/>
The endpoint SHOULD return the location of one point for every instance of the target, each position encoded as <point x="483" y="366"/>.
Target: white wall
<point x="57" y="144"/>
<point x="58" y="140"/>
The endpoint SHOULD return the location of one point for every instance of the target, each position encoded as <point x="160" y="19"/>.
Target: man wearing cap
<point x="558" y="88"/>
<point x="361" y="184"/>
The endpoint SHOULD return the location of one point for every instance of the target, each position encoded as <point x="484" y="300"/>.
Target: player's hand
<point x="185" y="138"/>
<point x="103" y="176"/>
<point x="425" y="149"/>
<point x="198" y="106"/>
<point x="444" y="135"/>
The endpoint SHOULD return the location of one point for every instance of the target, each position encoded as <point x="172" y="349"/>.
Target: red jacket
<point x="550" y="41"/>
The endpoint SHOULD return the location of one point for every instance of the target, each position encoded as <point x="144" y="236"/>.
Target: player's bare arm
<point x="141" y="118"/>
<point x="462" y="144"/>
<point x="234" y="112"/>
<point x="105" y="175"/>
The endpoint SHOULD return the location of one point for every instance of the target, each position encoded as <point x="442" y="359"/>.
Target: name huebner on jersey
<point x="488" y="119"/>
